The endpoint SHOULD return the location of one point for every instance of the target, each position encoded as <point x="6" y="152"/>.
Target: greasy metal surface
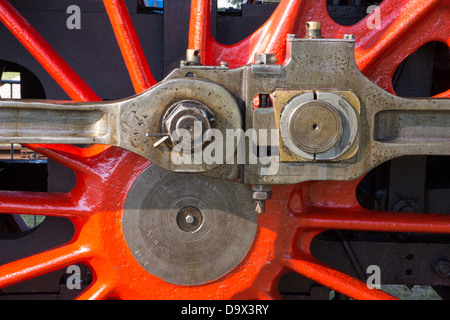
<point x="143" y="114"/>
<point x="388" y="126"/>
<point x="188" y="229"/>
<point x="330" y="63"/>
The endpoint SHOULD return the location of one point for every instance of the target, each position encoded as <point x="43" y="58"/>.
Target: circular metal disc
<point x="316" y="127"/>
<point x="188" y="229"/>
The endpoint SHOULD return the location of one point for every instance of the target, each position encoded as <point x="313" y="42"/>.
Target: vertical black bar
<point x="214" y="18"/>
<point x="176" y="32"/>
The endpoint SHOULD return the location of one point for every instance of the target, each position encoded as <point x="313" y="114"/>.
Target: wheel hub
<point x="188" y="229"/>
<point x="189" y="219"/>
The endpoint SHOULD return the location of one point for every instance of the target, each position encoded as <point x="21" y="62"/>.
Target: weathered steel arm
<point x="36" y="121"/>
<point x="331" y="122"/>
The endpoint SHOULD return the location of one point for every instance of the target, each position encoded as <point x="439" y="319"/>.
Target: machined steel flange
<point x="188" y="229"/>
<point x="318" y="126"/>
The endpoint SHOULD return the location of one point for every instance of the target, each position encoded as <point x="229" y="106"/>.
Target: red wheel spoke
<point x="104" y="282"/>
<point x="132" y="52"/>
<point x="445" y="94"/>
<point x="336" y="280"/>
<point x="405" y="27"/>
<point x="42" y="263"/>
<point x="365" y="220"/>
<point x="70" y="156"/>
<point x="266" y="39"/>
<point x="63" y="74"/>
<point x="199" y="35"/>
<point x="99" y="290"/>
<point x="36" y="203"/>
<point x="397" y="19"/>
<point x="68" y="149"/>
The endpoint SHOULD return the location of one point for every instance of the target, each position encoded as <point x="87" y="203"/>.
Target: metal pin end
<point x="150" y="135"/>
<point x="157" y="143"/>
<point x="260" y="206"/>
<point x="291" y="36"/>
<point x="164" y="137"/>
<point x="193" y="56"/>
<point x="349" y="37"/>
<point x="313" y="30"/>
<point x="190" y="219"/>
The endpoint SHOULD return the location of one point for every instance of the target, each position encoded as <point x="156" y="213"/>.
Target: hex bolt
<point x="291" y="36"/>
<point x="187" y="116"/>
<point x="267" y="59"/>
<point x="443" y="269"/>
<point x="263" y="100"/>
<point x="349" y="37"/>
<point x="224" y="64"/>
<point x="260" y="193"/>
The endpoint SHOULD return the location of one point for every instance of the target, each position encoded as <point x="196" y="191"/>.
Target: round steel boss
<point x="315" y="127"/>
<point x="188" y="229"/>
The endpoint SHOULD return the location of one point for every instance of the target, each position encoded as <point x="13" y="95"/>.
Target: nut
<point x="187" y="119"/>
<point x="261" y="195"/>
<point x="443" y="269"/>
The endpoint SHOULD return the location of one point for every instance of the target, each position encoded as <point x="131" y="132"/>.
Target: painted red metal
<point x="63" y="74"/>
<point x="405" y="25"/>
<point x="295" y="214"/>
<point x="132" y="52"/>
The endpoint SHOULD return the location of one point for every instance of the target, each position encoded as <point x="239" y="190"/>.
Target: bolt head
<point x="349" y="37"/>
<point x="187" y="118"/>
<point x="261" y="195"/>
<point x="443" y="269"/>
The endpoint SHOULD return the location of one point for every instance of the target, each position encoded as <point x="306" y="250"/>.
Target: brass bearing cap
<point x="315" y="127"/>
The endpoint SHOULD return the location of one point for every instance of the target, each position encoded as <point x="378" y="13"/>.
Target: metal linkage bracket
<point x="332" y="122"/>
